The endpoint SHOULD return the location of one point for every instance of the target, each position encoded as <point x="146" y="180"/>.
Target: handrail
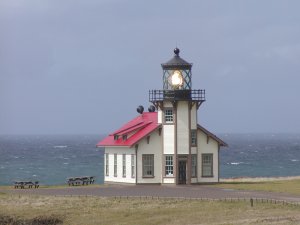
<point x="160" y="95"/>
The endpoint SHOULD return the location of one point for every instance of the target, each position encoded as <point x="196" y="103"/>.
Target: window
<point x="169" y="166"/>
<point x="115" y="165"/>
<point x="124" y="165"/>
<point x="106" y="164"/>
<point x="124" y="137"/>
<point x="207" y="165"/>
<point x="116" y="137"/>
<point x="169" y="116"/>
<point x="194" y="165"/>
<point x="132" y="166"/>
<point x="148" y="165"/>
<point x="194" y="137"/>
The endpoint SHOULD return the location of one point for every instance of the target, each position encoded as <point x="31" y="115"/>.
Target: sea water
<point x="52" y="159"/>
<point x="260" y="155"/>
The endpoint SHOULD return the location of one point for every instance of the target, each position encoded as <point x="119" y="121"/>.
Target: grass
<point x="97" y="210"/>
<point x="282" y="186"/>
<point x="51" y="210"/>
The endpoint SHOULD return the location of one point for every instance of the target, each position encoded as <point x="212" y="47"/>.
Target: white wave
<point x="66" y="163"/>
<point x="236" y="163"/>
<point x="295" y="160"/>
<point x="34" y="175"/>
<point x="60" y="146"/>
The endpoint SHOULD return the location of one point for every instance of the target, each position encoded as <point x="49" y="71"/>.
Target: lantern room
<point x="177" y="83"/>
<point x="177" y="74"/>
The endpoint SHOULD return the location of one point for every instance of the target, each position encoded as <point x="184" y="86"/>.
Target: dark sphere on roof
<point x="140" y="109"/>
<point x="176" y="51"/>
<point x="151" y="108"/>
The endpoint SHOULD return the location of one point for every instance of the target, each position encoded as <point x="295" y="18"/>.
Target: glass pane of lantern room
<point x="166" y="79"/>
<point x="187" y="79"/>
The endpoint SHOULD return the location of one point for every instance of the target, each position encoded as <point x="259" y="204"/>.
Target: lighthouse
<point x="166" y="145"/>
<point x="177" y="106"/>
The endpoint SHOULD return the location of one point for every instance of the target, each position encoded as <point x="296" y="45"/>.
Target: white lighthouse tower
<point x="165" y="145"/>
<point x="177" y="106"/>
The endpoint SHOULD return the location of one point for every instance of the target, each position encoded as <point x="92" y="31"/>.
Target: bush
<point x="41" y="220"/>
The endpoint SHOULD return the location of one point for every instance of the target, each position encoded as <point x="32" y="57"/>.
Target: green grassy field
<point x="51" y="210"/>
<point x="27" y="209"/>
<point x="282" y="186"/>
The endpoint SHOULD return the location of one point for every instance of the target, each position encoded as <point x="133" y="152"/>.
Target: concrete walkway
<point x="184" y="191"/>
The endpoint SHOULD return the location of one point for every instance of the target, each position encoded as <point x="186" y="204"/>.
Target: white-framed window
<point x="115" y="165"/>
<point x="106" y="164"/>
<point x="168" y="115"/>
<point x="132" y="166"/>
<point x="194" y="137"/>
<point x="124" y="165"/>
<point x="207" y="165"/>
<point x="148" y="165"/>
<point x="169" y="166"/>
<point x="194" y="166"/>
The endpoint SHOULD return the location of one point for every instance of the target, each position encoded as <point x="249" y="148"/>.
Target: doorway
<point x="182" y="172"/>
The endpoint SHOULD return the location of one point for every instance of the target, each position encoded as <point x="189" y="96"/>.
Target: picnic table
<point x="75" y="181"/>
<point x="29" y="184"/>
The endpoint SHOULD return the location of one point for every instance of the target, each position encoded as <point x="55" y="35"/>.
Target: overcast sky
<point x="80" y="67"/>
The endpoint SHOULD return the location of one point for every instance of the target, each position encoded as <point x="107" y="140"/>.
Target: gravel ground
<point x="184" y="191"/>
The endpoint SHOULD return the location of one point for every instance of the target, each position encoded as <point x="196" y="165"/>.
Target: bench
<point x="75" y="181"/>
<point x="24" y="184"/>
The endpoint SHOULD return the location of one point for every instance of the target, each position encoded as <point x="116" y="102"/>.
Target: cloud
<point x="89" y="57"/>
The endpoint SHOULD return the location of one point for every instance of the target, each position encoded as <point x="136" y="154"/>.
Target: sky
<point x="83" y="67"/>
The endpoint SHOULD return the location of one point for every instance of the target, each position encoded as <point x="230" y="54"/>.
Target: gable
<point x="213" y="136"/>
<point x="133" y="131"/>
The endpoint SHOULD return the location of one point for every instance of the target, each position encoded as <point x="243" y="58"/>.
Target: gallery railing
<point x="176" y="95"/>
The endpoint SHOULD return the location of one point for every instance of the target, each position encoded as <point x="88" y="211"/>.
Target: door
<point x="182" y="172"/>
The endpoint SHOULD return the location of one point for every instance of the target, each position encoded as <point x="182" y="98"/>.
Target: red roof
<point x="133" y="131"/>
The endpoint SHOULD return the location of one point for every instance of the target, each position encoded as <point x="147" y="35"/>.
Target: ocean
<point x="52" y="159"/>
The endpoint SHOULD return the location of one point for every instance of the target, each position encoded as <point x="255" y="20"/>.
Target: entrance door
<point x="182" y="172"/>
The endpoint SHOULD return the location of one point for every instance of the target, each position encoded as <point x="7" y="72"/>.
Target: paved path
<point x="186" y="191"/>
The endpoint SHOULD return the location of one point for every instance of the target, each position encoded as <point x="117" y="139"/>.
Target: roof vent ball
<point x="140" y="109"/>
<point x="176" y="51"/>
<point x="151" y="108"/>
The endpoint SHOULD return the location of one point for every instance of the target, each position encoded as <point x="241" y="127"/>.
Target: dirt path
<point x="187" y="191"/>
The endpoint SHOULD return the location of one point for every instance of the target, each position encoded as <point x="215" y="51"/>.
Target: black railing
<point x="160" y="95"/>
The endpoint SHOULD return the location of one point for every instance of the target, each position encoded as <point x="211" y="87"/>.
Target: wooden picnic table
<point x="29" y="184"/>
<point x="85" y="180"/>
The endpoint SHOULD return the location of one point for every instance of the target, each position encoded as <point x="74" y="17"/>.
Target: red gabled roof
<point x="135" y="130"/>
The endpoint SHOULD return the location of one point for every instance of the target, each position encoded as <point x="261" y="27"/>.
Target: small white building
<point x="165" y="145"/>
